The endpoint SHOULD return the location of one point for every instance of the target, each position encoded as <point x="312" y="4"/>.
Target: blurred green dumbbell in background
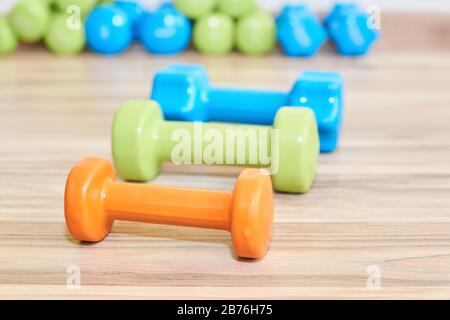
<point x="29" y="19"/>
<point x="256" y="33"/>
<point x="236" y="8"/>
<point x="65" y="37"/>
<point x="8" y="40"/>
<point x="195" y="9"/>
<point x="214" y="34"/>
<point x="85" y="6"/>
<point x="54" y="21"/>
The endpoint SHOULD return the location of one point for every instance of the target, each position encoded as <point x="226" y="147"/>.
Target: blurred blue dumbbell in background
<point x="299" y="31"/>
<point x="133" y="11"/>
<point x="109" y="30"/>
<point x="184" y="94"/>
<point x="350" y="29"/>
<point x="165" y="31"/>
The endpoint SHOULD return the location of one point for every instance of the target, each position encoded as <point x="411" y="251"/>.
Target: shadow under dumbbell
<point x="214" y="170"/>
<point x="74" y="242"/>
<point x="163" y="232"/>
<point x="185" y="236"/>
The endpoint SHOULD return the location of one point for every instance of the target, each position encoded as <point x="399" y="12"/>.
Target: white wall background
<point x="404" y="5"/>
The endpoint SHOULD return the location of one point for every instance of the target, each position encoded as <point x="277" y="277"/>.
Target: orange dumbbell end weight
<point x="93" y="200"/>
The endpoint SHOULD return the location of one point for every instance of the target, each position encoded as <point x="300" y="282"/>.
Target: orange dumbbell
<point x="93" y="200"/>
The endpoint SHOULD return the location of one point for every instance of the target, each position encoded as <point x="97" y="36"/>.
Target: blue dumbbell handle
<point x="246" y="106"/>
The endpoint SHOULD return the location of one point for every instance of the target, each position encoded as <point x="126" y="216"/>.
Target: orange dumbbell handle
<point x="166" y="205"/>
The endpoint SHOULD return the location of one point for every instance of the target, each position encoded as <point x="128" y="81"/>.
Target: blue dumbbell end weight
<point x="299" y="31"/>
<point x="133" y="10"/>
<point x="350" y="29"/>
<point x="182" y="91"/>
<point x="108" y="30"/>
<point x="321" y="92"/>
<point x="165" y="31"/>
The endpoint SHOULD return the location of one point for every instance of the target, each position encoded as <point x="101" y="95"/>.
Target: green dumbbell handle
<point x="168" y="139"/>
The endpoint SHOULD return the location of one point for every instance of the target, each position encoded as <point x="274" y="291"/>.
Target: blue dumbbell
<point x="133" y="10"/>
<point x="299" y="31"/>
<point x="108" y="30"/>
<point x="185" y="95"/>
<point x="165" y="31"/>
<point x="350" y="29"/>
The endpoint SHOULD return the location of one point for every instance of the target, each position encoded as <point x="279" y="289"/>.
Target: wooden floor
<point x="382" y="202"/>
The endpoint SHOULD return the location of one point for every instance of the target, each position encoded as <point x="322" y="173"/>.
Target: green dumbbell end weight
<point x="65" y="37"/>
<point x="195" y="9"/>
<point x="214" y="34"/>
<point x="133" y="146"/>
<point x="256" y="33"/>
<point x="298" y="150"/>
<point x="29" y="19"/>
<point x="236" y="8"/>
<point x="84" y="6"/>
<point x="8" y="40"/>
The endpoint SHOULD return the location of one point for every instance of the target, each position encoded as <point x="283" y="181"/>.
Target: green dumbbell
<point x="8" y="40"/>
<point x="256" y="33"/>
<point x="30" y="19"/>
<point x="85" y="6"/>
<point x="195" y="9"/>
<point x="65" y="37"/>
<point x="142" y="141"/>
<point x="214" y="34"/>
<point x="236" y="8"/>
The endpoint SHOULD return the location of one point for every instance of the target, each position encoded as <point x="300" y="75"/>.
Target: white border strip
<point x="323" y="5"/>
